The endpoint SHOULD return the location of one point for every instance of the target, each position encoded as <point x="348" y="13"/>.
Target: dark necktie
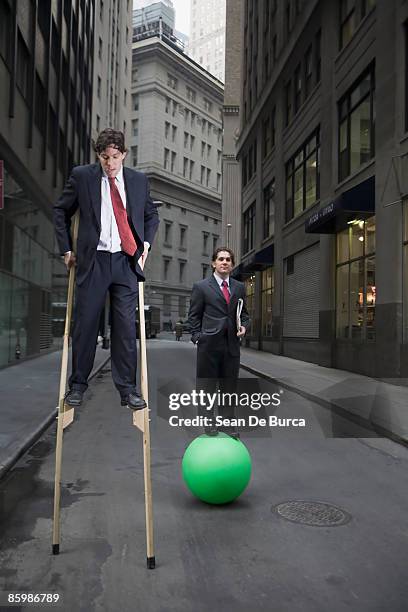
<point x="225" y="291"/>
<point x="126" y="237"/>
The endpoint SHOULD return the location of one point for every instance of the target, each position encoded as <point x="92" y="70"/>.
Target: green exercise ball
<point x="216" y="469"/>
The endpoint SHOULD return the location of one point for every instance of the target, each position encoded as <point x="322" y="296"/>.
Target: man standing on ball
<point x="213" y="321"/>
<point x="117" y="224"/>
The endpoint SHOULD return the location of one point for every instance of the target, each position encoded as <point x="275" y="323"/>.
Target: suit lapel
<point x="95" y="192"/>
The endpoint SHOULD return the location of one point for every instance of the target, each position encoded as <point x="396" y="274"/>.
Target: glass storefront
<point x="267" y="289"/>
<point x="355" y="281"/>
<point x="32" y="279"/>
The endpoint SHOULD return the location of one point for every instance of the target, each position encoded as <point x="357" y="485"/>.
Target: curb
<point x="20" y="449"/>
<point x="332" y="406"/>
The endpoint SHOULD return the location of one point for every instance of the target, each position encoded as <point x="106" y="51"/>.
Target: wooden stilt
<point x="141" y="421"/>
<point x="65" y="413"/>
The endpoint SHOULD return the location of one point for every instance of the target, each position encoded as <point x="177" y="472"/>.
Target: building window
<point x="134" y="156"/>
<point x="185" y="140"/>
<point x="298" y="88"/>
<point x="267" y="289"/>
<point x="183" y="236"/>
<point x="288" y="103"/>
<point x="191" y="170"/>
<point x="203" y="149"/>
<point x="269" y="210"/>
<point x="173" y="161"/>
<point x="308" y="72"/>
<point x="167" y="232"/>
<point x="5" y="33"/>
<point x="207" y="105"/>
<point x="208" y="177"/>
<point x="356" y="126"/>
<point x="167" y="305"/>
<point x="347" y="21"/>
<point x="205" y="270"/>
<point x="202" y="176"/>
<point x="249" y="228"/>
<point x="318" y="56"/>
<point x="135" y="102"/>
<point x="166" y="159"/>
<point x="192" y="139"/>
<point x="215" y="241"/>
<point x="100" y="47"/>
<point x="303" y="177"/>
<point x="182" y="306"/>
<point x="250" y="301"/>
<point x="171" y="81"/>
<point x="367" y="6"/>
<point x="173" y="113"/>
<point x="166" y="129"/>
<point x="218" y="181"/>
<point x="266" y="142"/>
<point x="23" y="66"/>
<point x="182" y="269"/>
<point x="99" y="87"/>
<point x="167" y="106"/>
<point x="205" y="243"/>
<point x="185" y="166"/>
<point x="355" y="281"/>
<point x="173" y="133"/>
<point x="135" y="127"/>
<point x="166" y="268"/>
<point x="191" y="94"/>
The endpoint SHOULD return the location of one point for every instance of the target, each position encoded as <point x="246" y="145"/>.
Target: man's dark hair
<point x="223" y="248"/>
<point x="110" y="138"/>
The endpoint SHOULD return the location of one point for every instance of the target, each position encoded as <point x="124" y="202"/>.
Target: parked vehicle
<point x="152" y="321"/>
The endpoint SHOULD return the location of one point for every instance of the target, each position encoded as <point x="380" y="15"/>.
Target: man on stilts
<point x="117" y="224"/>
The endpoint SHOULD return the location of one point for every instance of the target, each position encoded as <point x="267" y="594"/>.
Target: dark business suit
<point x="98" y="272"/>
<point x="214" y="330"/>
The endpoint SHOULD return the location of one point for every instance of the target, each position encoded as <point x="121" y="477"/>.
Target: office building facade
<point x="323" y="151"/>
<point x="207" y="35"/>
<point x="177" y="141"/>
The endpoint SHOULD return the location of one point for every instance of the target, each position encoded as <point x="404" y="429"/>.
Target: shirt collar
<point x="220" y="280"/>
<point x="119" y="176"/>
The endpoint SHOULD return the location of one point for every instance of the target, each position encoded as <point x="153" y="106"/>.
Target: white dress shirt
<point x="220" y="280"/>
<point x="109" y="239"/>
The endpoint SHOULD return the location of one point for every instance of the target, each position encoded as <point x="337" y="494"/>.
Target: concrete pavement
<point x="29" y="395"/>
<point x="28" y="399"/>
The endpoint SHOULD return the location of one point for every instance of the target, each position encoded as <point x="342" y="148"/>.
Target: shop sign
<point x="1" y="184"/>
<point x="320" y="215"/>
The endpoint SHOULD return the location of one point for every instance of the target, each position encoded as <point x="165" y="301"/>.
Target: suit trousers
<point x="111" y="272"/>
<point x="217" y="370"/>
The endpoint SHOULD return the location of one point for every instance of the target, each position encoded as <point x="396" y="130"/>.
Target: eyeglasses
<point x="223" y="258"/>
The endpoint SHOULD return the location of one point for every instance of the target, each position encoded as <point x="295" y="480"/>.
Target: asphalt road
<point x="239" y="557"/>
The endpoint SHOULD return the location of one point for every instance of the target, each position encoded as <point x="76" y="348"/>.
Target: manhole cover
<point x="317" y="514"/>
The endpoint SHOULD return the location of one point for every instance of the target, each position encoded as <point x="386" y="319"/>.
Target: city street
<point x="236" y="557"/>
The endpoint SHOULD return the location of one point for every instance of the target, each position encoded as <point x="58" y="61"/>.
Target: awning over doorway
<point x="356" y="203"/>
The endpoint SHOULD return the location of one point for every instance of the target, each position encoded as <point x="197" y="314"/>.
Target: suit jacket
<point x="83" y="191"/>
<point x="212" y="319"/>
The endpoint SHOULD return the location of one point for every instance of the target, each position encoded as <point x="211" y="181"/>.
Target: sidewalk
<point x="376" y="404"/>
<point x="29" y="399"/>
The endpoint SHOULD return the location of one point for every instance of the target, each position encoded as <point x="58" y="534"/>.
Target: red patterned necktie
<point x="225" y="291"/>
<point x="126" y="237"/>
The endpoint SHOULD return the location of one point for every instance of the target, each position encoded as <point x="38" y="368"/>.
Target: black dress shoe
<point x="74" y="397"/>
<point x="134" y="401"/>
